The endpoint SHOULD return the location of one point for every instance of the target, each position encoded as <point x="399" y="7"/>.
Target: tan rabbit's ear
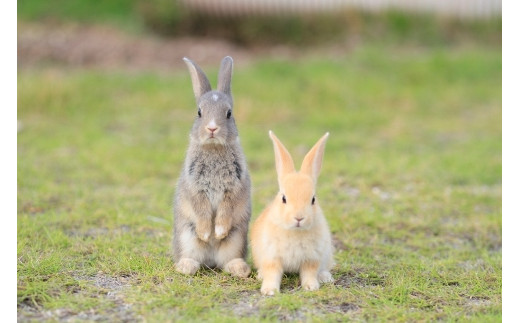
<point x="311" y="164"/>
<point x="283" y="160"/>
<point x="224" y="75"/>
<point x="199" y="80"/>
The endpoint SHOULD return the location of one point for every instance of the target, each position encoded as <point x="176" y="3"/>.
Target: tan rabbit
<point x="212" y="203"/>
<point x="292" y="235"/>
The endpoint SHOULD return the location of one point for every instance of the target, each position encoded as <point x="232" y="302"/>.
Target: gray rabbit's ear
<point x="199" y="80"/>
<point x="224" y="75"/>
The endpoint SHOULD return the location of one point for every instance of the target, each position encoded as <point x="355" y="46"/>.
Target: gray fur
<point x="214" y="189"/>
<point x="224" y="75"/>
<point x="199" y="80"/>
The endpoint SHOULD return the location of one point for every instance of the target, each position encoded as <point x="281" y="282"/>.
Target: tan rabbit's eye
<point x="313" y="200"/>
<point x="283" y="199"/>
<point x="228" y="115"/>
<point x="199" y="113"/>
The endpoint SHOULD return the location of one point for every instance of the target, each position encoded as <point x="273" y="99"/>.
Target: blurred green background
<point x="411" y="182"/>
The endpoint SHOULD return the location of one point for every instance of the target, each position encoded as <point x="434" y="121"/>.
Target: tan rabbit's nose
<point x="298" y="219"/>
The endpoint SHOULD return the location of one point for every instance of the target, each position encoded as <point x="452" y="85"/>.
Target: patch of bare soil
<point x="475" y="302"/>
<point x="94" y="46"/>
<point x="108" y="288"/>
<point x="341" y="308"/>
<point x="251" y="303"/>
<point x="247" y="305"/>
<point x="352" y="279"/>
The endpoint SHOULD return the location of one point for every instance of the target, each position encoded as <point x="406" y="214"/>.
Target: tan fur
<point x="279" y="242"/>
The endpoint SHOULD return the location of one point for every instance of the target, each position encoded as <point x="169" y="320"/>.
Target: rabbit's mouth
<point x="299" y="226"/>
<point x="213" y="139"/>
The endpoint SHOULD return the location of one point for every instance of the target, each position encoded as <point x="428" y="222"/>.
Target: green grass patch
<point x="411" y="187"/>
<point x="117" y="12"/>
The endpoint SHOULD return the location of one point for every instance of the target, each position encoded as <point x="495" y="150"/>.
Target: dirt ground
<point x="96" y="46"/>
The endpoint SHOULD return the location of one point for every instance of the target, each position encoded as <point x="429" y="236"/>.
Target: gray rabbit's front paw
<point x="238" y="267"/>
<point x="203" y="230"/>
<point x="222" y="227"/>
<point x="221" y="231"/>
<point x="187" y="266"/>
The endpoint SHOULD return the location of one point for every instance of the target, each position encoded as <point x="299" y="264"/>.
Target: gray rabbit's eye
<point x="228" y="115"/>
<point x="199" y="113"/>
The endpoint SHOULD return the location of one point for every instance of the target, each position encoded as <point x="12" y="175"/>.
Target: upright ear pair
<point x="311" y="164"/>
<point x="200" y="82"/>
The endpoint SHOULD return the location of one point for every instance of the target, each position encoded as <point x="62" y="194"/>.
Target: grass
<point x="411" y="187"/>
<point x="116" y="12"/>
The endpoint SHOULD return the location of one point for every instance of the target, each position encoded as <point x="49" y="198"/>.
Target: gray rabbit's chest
<point x="215" y="174"/>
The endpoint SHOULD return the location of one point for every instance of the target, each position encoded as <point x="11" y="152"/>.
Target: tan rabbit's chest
<point x="296" y="250"/>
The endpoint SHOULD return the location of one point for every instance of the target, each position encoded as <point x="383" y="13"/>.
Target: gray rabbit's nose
<point x="212" y="126"/>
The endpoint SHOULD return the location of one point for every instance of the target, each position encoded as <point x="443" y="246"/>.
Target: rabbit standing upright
<point x="291" y="235"/>
<point x="212" y="203"/>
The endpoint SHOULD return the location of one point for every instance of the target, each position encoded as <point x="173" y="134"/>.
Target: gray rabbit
<point x="212" y="203"/>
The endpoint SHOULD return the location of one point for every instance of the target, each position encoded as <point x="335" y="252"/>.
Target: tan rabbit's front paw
<point x="325" y="277"/>
<point x="269" y="289"/>
<point x="311" y="284"/>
